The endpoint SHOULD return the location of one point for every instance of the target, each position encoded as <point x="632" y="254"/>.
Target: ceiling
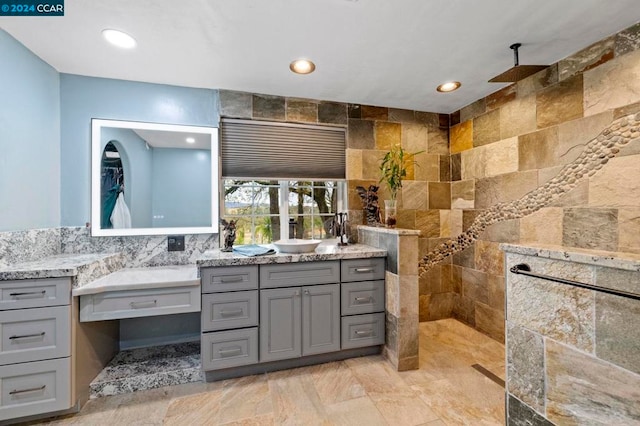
<point x="375" y="52"/>
<point x="174" y="139"/>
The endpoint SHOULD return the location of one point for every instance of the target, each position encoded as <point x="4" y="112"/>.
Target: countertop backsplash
<point x="139" y="251"/>
<point x="27" y="246"/>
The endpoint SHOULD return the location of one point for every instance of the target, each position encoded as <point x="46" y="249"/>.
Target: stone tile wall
<point x="425" y="199"/>
<point x="517" y="139"/>
<point x="401" y="292"/>
<point x="572" y="353"/>
<point x="494" y="150"/>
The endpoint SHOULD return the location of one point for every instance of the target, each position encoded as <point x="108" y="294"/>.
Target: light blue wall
<point x="136" y="162"/>
<point x="181" y="187"/>
<point x="29" y="139"/>
<point x="84" y="98"/>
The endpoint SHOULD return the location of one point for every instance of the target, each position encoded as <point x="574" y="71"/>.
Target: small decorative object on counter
<point x="393" y="169"/>
<point x="370" y="206"/>
<point x="339" y="227"/>
<point x="229" y="234"/>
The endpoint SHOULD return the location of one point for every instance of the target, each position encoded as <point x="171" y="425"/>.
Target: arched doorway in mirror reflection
<point x="114" y="210"/>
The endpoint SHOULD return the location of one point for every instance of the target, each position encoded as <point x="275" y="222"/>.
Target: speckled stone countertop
<point x="82" y="268"/>
<point x="325" y="251"/>
<point x="616" y="260"/>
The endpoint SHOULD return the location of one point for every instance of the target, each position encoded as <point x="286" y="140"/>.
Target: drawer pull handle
<point x="234" y="279"/>
<point x="363" y="270"/>
<point x="145" y="304"/>
<point x="15" y="392"/>
<point x="231" y="312"/>
<point x="364" y="332"/>
<point x="26" y="336"/>
<point x="361" y="300"/>
<point x="29" y="293"/>
<point x="230" y="352"/>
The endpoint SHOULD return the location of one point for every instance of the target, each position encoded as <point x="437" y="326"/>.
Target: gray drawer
<point x="35" y="388"/>
<point x="363" y="269"/>
<point x="35" y="293"/>
<point x="224" y="349"/>
<point x="35" y="334"/>
<point x="362" y="330"/>
<point x="294" y="274"/>
<point x="139" y="303"/>
<point x="221" y="311"/>
<point x="229" y="278"/>
<point x="362" y="297"/>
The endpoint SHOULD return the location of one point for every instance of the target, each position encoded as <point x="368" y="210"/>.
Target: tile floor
<point x="446" y="390"/>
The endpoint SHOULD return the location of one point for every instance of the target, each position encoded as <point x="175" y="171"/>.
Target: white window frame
<point x="341" y="203"/>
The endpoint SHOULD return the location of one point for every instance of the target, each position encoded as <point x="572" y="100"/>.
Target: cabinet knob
<point x="306" y="292"/>
<point x="297" y="293"/>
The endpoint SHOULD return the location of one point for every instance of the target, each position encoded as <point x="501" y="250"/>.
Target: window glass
<point x="255" y="205"/>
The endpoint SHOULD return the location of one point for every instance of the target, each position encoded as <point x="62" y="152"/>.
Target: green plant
<point x="393" y="168"/>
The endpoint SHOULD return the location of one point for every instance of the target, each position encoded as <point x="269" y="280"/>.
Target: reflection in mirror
<point x="112" y="190"/>
<point x="153" y="179"/>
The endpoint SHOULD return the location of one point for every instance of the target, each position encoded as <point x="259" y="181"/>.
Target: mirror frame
<point x="96" y="162"/>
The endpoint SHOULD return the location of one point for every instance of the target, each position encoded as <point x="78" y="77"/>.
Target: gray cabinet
<point x="299" y="321"/>
<point x="229" y="317"/>
<point x="320" y="319"/>
<point x="280" y="324"/>
<point x="231" y="348"/>
<point x="263" y="317"/>
<point x="363" y="305"/>
<point x="297" y="274"/>
<point x="35" y="347"/>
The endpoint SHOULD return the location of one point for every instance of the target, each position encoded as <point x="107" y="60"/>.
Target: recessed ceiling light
<point x="302" y="66"/>
<point x="120" y="39"/>
<point x="190" y="140"/>
<point x="449" y="86"/>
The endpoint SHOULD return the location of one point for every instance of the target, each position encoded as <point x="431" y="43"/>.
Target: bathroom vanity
<point x="257" y="314"/>
<point x="267" y="313"/>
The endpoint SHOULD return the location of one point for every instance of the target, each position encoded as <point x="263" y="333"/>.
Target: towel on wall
<point x="120" y="217"/>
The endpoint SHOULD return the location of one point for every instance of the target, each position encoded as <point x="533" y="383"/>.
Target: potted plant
<point x="393" y="169"/>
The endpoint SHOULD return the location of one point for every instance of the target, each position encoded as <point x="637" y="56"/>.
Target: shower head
<point x="517" y="72"/>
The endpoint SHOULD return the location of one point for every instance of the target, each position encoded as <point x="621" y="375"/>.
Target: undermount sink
<point x="296" y="246"/>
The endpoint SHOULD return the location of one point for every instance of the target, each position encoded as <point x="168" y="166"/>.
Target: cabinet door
<point x="320" y="319"/>
<point x="280" y="330"/>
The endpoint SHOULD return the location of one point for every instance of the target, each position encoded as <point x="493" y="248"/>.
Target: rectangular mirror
<point x="153" y="179"/>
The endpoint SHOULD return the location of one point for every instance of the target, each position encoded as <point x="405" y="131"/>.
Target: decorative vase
<point x="390" y="213"/>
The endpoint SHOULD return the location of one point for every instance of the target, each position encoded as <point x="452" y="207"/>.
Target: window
<point x="260" y="207"/>
<point x="282" y="180"/>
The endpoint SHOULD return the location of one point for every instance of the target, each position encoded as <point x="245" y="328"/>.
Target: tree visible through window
<point x="256" y="205"/>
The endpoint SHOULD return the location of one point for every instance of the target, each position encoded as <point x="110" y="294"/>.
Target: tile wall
<point x="425" y="200"/>
<point x="494" y="150"/>
<point x="572" y="353"/>
<point x="515" y="140"/>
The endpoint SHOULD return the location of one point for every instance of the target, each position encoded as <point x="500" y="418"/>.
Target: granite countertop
<point x="327" y="250"/>
<point x="99" y="272"/>
<point x="617" y="260"/>
<point x="82" y="268"/>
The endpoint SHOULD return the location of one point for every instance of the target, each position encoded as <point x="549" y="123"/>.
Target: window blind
<point x="261" y="149"/>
